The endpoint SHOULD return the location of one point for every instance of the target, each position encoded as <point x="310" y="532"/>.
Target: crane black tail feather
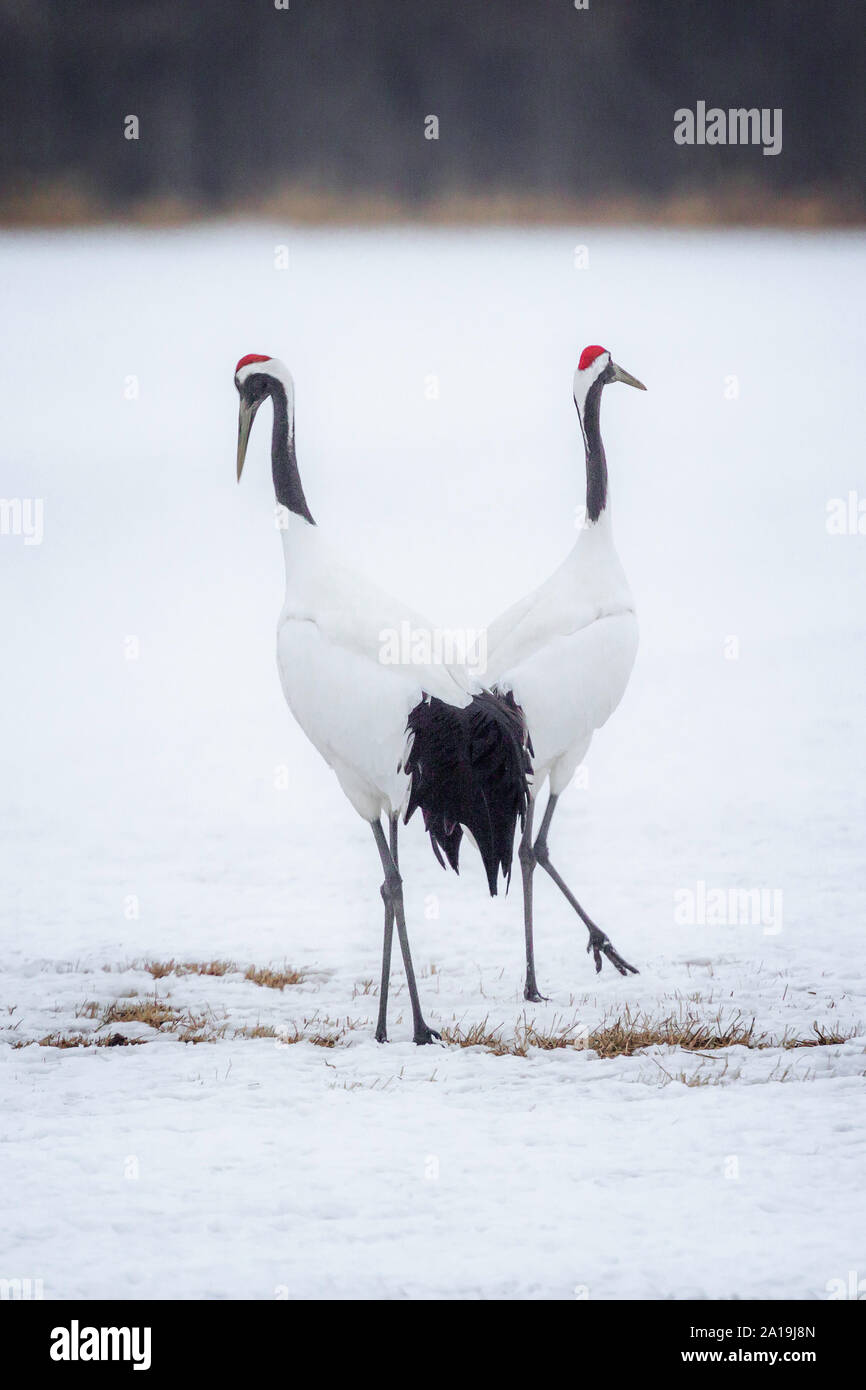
<point x="468" y="767"/>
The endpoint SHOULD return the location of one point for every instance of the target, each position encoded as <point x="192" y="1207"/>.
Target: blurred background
<point x="317" y="109"/>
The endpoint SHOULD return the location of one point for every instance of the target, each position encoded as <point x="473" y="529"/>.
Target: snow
<point x="159" y="803"/>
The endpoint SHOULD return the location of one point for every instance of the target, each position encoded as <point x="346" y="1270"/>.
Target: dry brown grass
<point x="824" y="1037"/>
<point x="65" y="1040"/>
<point x="482" y="1035"/>
<point x="630" y="1033"/>
<point x="565" y="1035"/>
<point x="153" y="1011"/>
<point x="321" y="1032"/>
<point x="200" y="1028"/>
<point x="624" y="1034"/>
<point x="317" y="1037"/>
<point x="267" y="975"/>
<point x="160" y="968"/>
<point x="91" y="1008"/>
<point x="274" y="979"/>
<point x="187" y="1026"/>
<point x="256" y="1030"/>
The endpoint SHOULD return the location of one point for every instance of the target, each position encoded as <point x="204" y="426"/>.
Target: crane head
<point x="596" y="364"/>
<point x="256" y="376"/>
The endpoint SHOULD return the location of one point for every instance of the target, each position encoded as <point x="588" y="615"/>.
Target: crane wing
<point x="570" y="687"/>
<point x="357" y="616"/>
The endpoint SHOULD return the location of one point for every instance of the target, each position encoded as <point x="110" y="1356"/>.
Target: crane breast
<point x="353" y="710"/>
<point x="571" y="686"/>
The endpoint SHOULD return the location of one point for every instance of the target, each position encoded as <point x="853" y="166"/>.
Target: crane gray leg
<point x="599" y="942"/>
<point x="392" y="891"/>
<point x="382" y="1023"/>
<point x="526" y="856"/>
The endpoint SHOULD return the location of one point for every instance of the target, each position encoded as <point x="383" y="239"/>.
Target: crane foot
<point x="425" y="1034"/>
<point x="532" y="995"/>
<point x="600" y="944"/>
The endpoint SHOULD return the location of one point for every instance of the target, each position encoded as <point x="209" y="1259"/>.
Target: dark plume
<point x="468" y="767"/>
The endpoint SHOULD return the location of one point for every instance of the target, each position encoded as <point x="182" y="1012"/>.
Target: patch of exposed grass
<point x="156" y="1013"/>
<point x="566" y="1035"/>
<point x="91" y="1008"/>
<point x="65" y="1040"/>
<point x="321" y="1032"/>
<point x="274" y="979"/>
<point x="322" y="1039"/>
<point x="200" y="1028"/>
<point x="153" y="1011"/>
<point x="318" y="1038"/>
<point x="256" y="1030"/>
<point x="823" y="1037"/>
<point x="630" y="1033"/>
<point x="160" y="968"/>
<point x="482" y="1035"/>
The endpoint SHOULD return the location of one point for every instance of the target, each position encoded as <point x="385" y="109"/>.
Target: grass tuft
<point x="274" y="979"/>
<point x="256" y="1030"/>
<point x="482" y="1035"/>
<point x="153" y="1011"/>
<point x="630" y="1033"/>
<point x="824" y="1037"/>
<point x="160" y="968"/>
<point x="66" y="1040"/>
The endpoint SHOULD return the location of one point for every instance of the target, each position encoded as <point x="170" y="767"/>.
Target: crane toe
<point x="602" y="944"/>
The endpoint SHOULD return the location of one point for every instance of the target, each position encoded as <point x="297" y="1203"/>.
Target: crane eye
<point x="254" y="389"/>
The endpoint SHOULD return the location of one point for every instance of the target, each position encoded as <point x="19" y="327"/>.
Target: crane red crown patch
<point x="251" y="357"/>
<point x="588" y="356"/>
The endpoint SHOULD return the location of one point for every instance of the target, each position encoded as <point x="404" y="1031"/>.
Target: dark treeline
<point x="533" y="97"/>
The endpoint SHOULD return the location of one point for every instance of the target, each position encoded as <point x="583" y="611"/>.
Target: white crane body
<point x="565" y="654"/>
<point x="352" y="705"/>
<point x="399" y="736"/>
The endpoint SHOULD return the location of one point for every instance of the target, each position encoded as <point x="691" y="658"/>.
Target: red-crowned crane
<point x="398" y="736"/>
<point x="564" y="654"/>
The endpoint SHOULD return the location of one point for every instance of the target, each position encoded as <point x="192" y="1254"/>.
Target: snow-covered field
<point x="159" y="804"/>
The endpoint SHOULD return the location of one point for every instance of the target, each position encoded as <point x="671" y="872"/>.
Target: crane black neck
<point x="287" y="480"/>
<point x="596" y="463"/>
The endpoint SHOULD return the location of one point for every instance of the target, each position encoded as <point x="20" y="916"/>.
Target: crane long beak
<point x="246" y="415"/>
<point x="620" y="375"/>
